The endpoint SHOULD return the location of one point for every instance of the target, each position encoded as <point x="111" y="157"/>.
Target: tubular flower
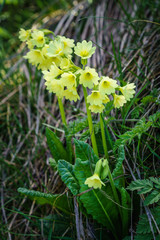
<point x="47" y="62"/>
<point x="71" y="94"/>
<point x="107" y="85"/>
<point x="119" y="100"/>
<point x="96" y="108"/>
<point x="128" y="91"/>
<point x="52" y="73"/>
<point x="65" y="63"/>
<point x="89" y="77"/>
<point x="56" y="87"/>
<point x="30" y="44"/>
<point x="68" y="44"/>
<point x="96" y="98"/>
<point x="94" y="181"/>
<point x="38" y="38"/>
<point x="84" y="49"/>
<point x="106" y="100"/>
<point x="35" y="57"/>
<point x="68" y="80"/>
<point x="24" y="35"/>
<point x="56" y="48"/>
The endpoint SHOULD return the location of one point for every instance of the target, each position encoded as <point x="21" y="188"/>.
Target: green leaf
<point x="65" y="170"/>
<point x="119" y="169"/>
<point x="56" y="200"/>
<point x="138" y="184"/>
<point x="85" y="152"/>
<point x="152" y="198"/>
<point x="55" y="146"/>
<point x="98" y="203"/>
<point x="155" y="180"/>
<point x="143" y="230"/>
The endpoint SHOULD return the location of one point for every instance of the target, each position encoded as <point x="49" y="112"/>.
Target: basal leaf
<point x="98" y="203"/>
<point x="65" y="170"/>
<point x="56" y="200"/>
<point x="85" y="152"/>
<point x="55" y="146"/>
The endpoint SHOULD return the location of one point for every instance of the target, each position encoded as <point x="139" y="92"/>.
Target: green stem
<point x="103" y="137"/>
<point x="107" y="216"/>
<point x="62" y="111"/>
<point x="91" y="129"/>
<point x="109" y="173"/>
<point x="115" y="192"/>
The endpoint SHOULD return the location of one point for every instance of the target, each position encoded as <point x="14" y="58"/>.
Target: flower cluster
<point x="54" y="58"/>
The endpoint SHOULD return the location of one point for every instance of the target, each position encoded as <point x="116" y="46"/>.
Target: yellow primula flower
<point x="106" y="100"/>
<point x="94" y="181"/>
<point x="119" y="100"/>
<point x="89" y="77"/>
<point x="65" y="63"/>
<point x="56" y="48"/>
<point x="52" y="73"/>
<point x="38" y="38"/>
<point x="84" y="49"/>
<point x="24" y="35"/>
<point x="107" y="85"/>
<point x="96" y="98"/>
<point x="48" y="61"/>
<point x="128" y="91"/>
<point x="96" y="108"/>
<point x="30" y="44"/>
<point x="56" y="87"/>
<point x="71" y="94"/>
<point x="68" y="80"/>
<point x="35" y="57"/>
<point x="68" y="45"/>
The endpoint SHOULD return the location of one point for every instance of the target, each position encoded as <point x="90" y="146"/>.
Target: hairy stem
<point x="91" y="129"/>
<point x="62" y="111"/>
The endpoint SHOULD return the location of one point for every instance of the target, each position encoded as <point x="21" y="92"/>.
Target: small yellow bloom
<point x="96" y="108"/>
<point x="84" y="49"/>
<point x="56" y="87"/>
<point x="48" y="61"/>
<point x="24" y="35"/>
<point x="71" y="94"/>
<point x="68" y="80"/>
<point x="89" y="77"/>
<point x="96" y="98"/>
<point x="65" y="63"/>
<point x="68" y="44"/>
<point x="30" y="44"/>
<point x="128" y="91"/>
<point x="56" y="48"/>
<point x="52" y="73"/>
<point x="38" y="38"/>
<point x="107" y="85"/>
<point x="94" y="181"/>
<point x="106" y="100"/>
<point x="34" y="57"/>
<point x="119" y="100"/>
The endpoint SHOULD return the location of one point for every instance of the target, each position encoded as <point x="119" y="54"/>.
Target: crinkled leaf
<point x="97" y="202"/>
<point x="84" y="151"/>
<point x="55" y="146"/>
<point x="65" y="170"/>
<point x="57" y="200"/>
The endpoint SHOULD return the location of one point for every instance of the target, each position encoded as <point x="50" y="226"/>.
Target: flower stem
<point x="103" y="137"/>
<point x="109" y="173"/>
<point x="91" y="129"/>
<point x="62" y="111"/>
